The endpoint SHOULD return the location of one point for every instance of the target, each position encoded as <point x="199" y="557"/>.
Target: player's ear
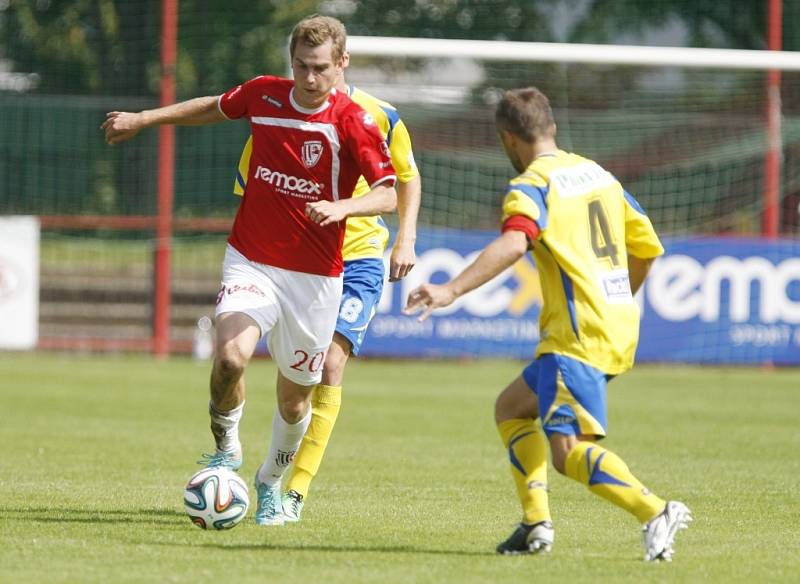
<point x="506" y="137"/>
<point x="345" y="60"/>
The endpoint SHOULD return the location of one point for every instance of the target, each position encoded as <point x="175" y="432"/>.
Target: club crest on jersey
<point x="368" y="119"/>
<point x="311" y="152"/>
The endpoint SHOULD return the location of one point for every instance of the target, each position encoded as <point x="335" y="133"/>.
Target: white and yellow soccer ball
<point x="216" y="498"/>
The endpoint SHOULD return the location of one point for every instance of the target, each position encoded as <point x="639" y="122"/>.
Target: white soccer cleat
<point x="658" y="534"/>
<point x="292" y="502"/>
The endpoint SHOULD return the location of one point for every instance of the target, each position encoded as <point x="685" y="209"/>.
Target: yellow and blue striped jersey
<point x="365" y="237"/>
<point x="588" y="225"/>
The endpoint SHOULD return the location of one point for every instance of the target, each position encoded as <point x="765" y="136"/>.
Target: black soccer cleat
<point x="529" y="539"/>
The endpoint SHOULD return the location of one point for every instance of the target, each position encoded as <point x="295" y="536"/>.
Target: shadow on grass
<point x="57" y="515"/>
<point x="341" y="548"/>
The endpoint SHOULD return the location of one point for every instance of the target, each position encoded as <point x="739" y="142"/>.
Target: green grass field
<point x="415" y="488"/>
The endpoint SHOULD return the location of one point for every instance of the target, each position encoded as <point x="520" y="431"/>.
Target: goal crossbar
<point x="575" y="53"/>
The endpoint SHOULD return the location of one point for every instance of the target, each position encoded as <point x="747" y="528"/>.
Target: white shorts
<point x="297" y="311"/>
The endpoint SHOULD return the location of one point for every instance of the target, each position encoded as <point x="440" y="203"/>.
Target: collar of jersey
<point x="305" y="110"/>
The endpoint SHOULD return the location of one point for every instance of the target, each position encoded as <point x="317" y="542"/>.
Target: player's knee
<point x="293" y="410"/>
<point x="335" y="362"/>
<point x="229" y="364"/>
<point x="509" y="406"/>
<point x="501" y="412"/>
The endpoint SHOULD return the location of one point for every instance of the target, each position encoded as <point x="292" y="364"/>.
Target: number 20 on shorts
<point x="305" y="362"/>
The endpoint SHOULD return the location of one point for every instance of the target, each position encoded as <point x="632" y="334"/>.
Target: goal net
<point x="684" y="130"/>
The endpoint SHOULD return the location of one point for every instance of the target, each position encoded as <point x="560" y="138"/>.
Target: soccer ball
<point x="216" y="498"/>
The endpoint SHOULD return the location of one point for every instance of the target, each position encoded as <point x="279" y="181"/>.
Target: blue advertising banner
<point x="708" y="300"/>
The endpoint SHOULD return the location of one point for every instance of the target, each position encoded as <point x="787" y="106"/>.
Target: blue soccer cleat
<point x="222" y="459"/>
<point x="270" y="509"/>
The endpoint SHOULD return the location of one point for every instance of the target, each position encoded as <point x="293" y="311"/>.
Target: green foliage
<point x="415" y="486"/>
<point x="710" y="23"/>
<point x="84" y="46"/>
<point x="471" y="19"/>
<point x="112" y="47"/>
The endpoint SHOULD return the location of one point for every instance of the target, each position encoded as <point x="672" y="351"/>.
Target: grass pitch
<point x="415" y="487"/>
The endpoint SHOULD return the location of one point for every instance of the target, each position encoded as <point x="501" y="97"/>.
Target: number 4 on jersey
<point x="600" y="231"/>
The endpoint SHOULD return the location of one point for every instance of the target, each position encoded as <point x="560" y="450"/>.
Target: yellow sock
<point x="325" y="403"/>
<point x="527" y="452"/>
<point x="607" y="475"/>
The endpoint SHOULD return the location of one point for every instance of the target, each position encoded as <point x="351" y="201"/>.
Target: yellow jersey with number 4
<point x="588" y="225"/>
<point x="365" y="237"/>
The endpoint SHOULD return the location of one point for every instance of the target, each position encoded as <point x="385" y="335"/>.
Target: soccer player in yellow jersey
<point x="364" y="244"/>
<point x="593" y="246"/>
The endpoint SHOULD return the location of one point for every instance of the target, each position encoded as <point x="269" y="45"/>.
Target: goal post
<point x="697" y="58"/>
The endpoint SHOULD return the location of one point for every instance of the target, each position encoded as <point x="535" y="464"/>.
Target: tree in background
<point x="111" y="47"/>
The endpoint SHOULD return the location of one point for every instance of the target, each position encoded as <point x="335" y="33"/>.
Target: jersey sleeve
<point x="244" y="165"/>
<point x="234" y="103"/>
<point x="525" y="209"/>
<point x="368" y="147"/>
<point x="402" y="154"/>
<point x="641" y="240"/>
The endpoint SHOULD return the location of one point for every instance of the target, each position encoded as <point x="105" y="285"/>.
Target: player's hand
<point x="325" y="212"/>
<point x="401" y="261"/>
<point x="427" y="298"/>
<point x="121" y="126"/>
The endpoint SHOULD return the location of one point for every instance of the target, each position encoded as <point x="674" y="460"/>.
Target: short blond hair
<point x="316" y="30"/>
<point x="526" y="113"/>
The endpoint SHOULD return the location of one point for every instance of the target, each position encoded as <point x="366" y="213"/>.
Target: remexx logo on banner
<point x="719" y="300"/>
<point x="723" y="300"/>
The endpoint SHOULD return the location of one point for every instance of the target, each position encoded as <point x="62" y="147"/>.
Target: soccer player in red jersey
<point x="283" y="264"/>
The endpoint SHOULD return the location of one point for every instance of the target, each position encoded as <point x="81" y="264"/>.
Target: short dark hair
<point x="526" y="113"/>
<point x="316" y="30"/>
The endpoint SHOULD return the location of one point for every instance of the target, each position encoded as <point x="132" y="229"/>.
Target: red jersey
<point x="300" y="155"/>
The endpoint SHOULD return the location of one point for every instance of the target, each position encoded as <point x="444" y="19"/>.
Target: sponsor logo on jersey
<point x="271" y="100"/>
<point x="616" y="287"/>
<point x="288" y="184"/>
<point x="311" y="152"/>
<point x="580" y="180"/>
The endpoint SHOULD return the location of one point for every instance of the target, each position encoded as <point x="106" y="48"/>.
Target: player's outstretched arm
<point x="404" y="255"/>
<point x="121" y="126"/>
<point x="381" y="199"/>
<point x="502" y="253"/>
<point x="638" y="269"/>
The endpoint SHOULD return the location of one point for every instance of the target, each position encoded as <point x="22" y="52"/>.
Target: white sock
<point x="283" y="446"/>
<point x="225" y="427"/>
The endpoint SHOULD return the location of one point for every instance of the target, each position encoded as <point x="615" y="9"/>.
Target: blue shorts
<point x="363" y="285"/>
<point x="572" y="395"/>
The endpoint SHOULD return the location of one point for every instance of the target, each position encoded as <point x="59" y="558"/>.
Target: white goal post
<point x="575" y="53"/>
